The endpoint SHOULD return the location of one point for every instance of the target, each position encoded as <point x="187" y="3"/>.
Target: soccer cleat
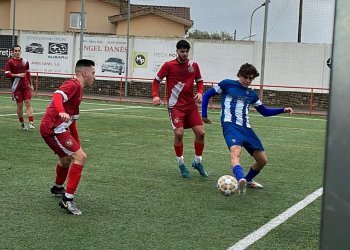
<point x="58" y="190"/>
<point x="184" y="171"/>
<point x="254" y="184"/>
<point x="70" y="206"/>
<point x="23" y="126"/>
<point x="31" y="125"/>
<point x="200" y="169"/>
<point x="242" y="186"/>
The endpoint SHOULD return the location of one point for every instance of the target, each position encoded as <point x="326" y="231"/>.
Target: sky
<point x="234" y="16"/>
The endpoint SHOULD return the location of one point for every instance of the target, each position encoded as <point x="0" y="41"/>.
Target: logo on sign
<point x="58" y="48"/>
<point x="140" y="59"/>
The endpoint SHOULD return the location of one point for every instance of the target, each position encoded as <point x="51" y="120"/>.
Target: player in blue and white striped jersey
<point x="237" y="130"/>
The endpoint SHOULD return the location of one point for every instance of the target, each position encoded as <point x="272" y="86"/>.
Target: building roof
<point x="177" y="14"/>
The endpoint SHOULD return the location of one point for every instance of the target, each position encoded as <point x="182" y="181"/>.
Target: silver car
<point x="114" y="64"/>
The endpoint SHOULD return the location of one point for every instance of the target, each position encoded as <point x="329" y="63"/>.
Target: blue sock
<point x="238" y="172"/>
<point x="251" y="174"/>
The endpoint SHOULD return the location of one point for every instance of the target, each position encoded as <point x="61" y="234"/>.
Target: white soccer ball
<point x="227" y="184"/>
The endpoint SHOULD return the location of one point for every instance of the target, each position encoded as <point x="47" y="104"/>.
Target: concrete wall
<point x="152" y="26"/>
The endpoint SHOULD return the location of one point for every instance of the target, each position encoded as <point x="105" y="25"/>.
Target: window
<point x="75" y="20"/>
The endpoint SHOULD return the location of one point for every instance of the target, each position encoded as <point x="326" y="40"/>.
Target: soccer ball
<point x="227" y="184"/>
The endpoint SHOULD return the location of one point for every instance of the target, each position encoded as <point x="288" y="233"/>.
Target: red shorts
<point x="185" y="117"/>
<point x="21" y="96"/>
<point x="62" y="144"/>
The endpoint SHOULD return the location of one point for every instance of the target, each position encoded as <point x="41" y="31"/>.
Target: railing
<point x="305" y="100"/>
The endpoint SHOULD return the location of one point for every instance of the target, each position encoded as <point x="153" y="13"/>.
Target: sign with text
<point x="48" y="53"/>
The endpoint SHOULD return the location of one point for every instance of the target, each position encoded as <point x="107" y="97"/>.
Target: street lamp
<point x="251" y="20"/>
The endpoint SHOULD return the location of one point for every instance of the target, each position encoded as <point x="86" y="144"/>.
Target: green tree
<point x="198" y="34"/>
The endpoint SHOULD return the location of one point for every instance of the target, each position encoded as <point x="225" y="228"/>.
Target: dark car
<point x="114" y="64"/>
<point x="35" y="48"/>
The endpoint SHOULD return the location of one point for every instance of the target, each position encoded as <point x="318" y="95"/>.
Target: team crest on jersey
<point x="176" y="120"/>
<point x="233" y="140"/>
<point x="69" y="143"/>
<point x="190" y="68"/>
<point x="247" y="92"/>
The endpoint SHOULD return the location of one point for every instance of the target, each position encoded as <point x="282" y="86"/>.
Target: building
<point x="102" y="17"/>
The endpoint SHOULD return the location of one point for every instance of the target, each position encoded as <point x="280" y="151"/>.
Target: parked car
<point x="35" y="48"/>
<point x="114" y="64"/>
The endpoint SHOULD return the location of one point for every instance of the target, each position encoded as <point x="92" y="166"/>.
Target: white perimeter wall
<point x="286" y="64"/>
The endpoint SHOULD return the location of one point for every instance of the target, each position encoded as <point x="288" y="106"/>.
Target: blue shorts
<point x="236" y="135"/>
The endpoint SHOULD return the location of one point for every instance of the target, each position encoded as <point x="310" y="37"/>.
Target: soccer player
<point x="58" y="129"/>
<point x="180" y="74"/>
<point x="17" y="68"/>
<point x="236" y="99"/>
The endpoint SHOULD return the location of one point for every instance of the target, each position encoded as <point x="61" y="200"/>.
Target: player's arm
<point x="155" y="85"/>
<point x="209" y="94"/>
<point x="57" y="100"/>
<point x="265" y="111"/>
<point x="28" y="75"/>
<point x="9" y="74"/>
<point x="200" y="85"/>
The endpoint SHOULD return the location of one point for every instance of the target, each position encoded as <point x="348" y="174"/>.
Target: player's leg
<point x="19" y="109"/>
<point x="62" y="168"/>
<point x="68" y="150"/>
<point x="198" y="148"/>
<point x="235" y="153"/>
<point x="27" y="96"/>
<point x="234" y="138"/>
<point x="256" y="149"/>
<point x="193" y="120"/>
<point x="176" y="120"/>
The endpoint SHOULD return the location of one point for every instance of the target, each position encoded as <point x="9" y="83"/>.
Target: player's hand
<point x="64" y="116"/>
<point x="31" y="87"/>
<point x="288" y="110"/>
<point x="198" y="98"/>
<point x="156" y="101"/>
<point x="206" y="120"/>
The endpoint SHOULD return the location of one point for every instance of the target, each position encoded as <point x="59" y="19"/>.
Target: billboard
<point x="48" y="53"/>
<point x="109" y="54"/>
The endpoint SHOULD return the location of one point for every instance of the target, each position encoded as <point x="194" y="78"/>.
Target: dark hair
<point x="15" y="46"/>
<point x="84" y="63"/>
<point x="248" y="70"/>
<point x="183" y="44"/>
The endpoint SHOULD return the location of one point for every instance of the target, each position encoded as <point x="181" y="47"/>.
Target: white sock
<point x="180" y="160"/>
<point x="197" y="159"/>
<point x="69" y="196"/>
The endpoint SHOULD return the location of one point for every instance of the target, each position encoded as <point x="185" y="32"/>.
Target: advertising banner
<point x="48" y="53"/>
<point x="109" y="54"/>
<point x="5" y="49"/>
<point x="150" y="54"/>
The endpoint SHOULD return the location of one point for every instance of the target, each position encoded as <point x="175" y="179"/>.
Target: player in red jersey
<point x="181" y="73"/>
<point x="58" y="129"/>
<point x="17" y="68"/>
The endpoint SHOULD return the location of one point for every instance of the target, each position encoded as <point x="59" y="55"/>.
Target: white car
<point x="114" y="64"/>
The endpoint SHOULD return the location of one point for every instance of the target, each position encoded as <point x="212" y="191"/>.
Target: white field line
<point x="262" y="231"/>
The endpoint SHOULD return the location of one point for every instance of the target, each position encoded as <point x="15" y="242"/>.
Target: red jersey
<point x="180" y="78"/>
<point x="16" y="66"/>
<point x="72" y="93"/>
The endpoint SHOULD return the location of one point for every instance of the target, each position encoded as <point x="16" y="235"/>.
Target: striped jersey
<point x="235" y="102"/>
<point x="180" y="78"/>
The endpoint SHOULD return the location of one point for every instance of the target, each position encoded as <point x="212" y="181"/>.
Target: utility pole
<point x="82" y="26"/>
<point x="300" y="20"/>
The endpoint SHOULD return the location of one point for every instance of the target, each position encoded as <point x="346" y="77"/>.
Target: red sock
<point x="73" y="178"/>
<point x="21" y="120"/>
<point x="179" y="150"/>
<point x="198" y="148"/>
<point x="31" y="118"/>
<point x="61" y="174"/>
